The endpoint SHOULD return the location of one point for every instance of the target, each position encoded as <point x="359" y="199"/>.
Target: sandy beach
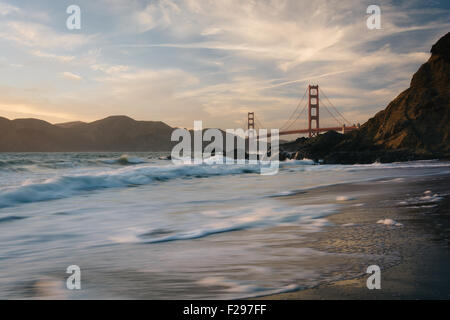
<point x="422" y="241"/>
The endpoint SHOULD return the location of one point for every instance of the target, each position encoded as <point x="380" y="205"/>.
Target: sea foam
<point x="308" y="218"/>
<point x="389" y="222"/>
<point x="68" y="185"/>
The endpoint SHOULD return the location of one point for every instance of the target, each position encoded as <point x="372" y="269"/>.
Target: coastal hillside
<point x="116" y="133"/>
<point x="419" y="118"/>
<point x="415" y="125"/>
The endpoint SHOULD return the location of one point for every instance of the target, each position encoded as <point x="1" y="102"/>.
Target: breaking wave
<point x="245" y="288"/>
<point x="308" y="218"/>
<point x="125" y="160"/>
<point x="68" y="185"/>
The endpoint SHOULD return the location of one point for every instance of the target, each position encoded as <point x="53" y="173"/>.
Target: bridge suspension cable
<point x="331" y="114"/>
<point x="335" y="109"/>
<point x="312" y="103"/>
<point x="258" y="123"/>
<point x="298" y="117"/>
<point x="285" y="125"/>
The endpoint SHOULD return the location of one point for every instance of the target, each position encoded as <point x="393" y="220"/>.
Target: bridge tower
<point x="251" y="121"/>
<point x="313" y="109"/>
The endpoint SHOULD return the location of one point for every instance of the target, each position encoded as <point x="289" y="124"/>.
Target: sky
<point x="209" y="60"/>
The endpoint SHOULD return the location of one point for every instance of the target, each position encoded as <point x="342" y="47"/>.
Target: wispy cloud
<point x="71" y="76"/>
<point x="6" y="9"/>
<point x="23" y="110"/>
<point x="215" y="60"/>
<point x="36" y="35"/>
<point x="46" y="55"/>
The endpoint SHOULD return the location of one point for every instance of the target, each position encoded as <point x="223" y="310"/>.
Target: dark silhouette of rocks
<point x="415" y="125"/>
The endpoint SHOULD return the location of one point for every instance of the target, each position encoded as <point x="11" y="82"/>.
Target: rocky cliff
<point x="418" y="120"/>
<point x="415" y="125"/>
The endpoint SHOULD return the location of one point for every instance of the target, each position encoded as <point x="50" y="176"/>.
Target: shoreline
<point x="309" y="239"/>
<point x="421" y="275"/>
<point x="396" y="283"/>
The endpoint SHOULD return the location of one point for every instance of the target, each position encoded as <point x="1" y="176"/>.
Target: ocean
<point x="143" y="228"/>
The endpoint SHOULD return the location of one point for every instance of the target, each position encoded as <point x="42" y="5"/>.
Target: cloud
<point x="145" y="91"/>
<point x="157" y="14"/>
<point x="7" y="9"/>
<point x="61" y="58"/>
<point x="210" y="31"/>
<point x="71" y="76"/>
<point x="36" y="35"/>
<point x="20" y="103"/>
<point x="110" y="69"/>
<point x="185" y="60"/>
<point x="137" y="93"/>
<point x="20" y="110"/>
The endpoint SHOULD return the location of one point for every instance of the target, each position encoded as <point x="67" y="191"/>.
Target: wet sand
<point x="425" y="276"/>
<point x="421" y="244"/>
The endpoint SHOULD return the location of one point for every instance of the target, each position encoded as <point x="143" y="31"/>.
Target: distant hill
<point x="415" y="125"/>
<point x="116" y="133"/>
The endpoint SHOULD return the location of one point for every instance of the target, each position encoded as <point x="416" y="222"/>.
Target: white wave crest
<point x="69" y="185"/>
<point x="309" y="218"/>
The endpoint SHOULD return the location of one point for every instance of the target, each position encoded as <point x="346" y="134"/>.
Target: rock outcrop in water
<point x="415" y="125"/>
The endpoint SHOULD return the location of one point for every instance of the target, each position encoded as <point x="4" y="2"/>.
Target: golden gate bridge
<point x="314" y="105"/>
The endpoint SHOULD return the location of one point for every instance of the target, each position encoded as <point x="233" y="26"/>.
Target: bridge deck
<point x="317" y="130"/>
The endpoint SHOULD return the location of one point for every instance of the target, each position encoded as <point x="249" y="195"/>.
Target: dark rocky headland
<point x="414" y="126"/>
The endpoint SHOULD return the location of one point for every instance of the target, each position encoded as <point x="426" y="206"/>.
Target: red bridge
<point x="314" y="128"/>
